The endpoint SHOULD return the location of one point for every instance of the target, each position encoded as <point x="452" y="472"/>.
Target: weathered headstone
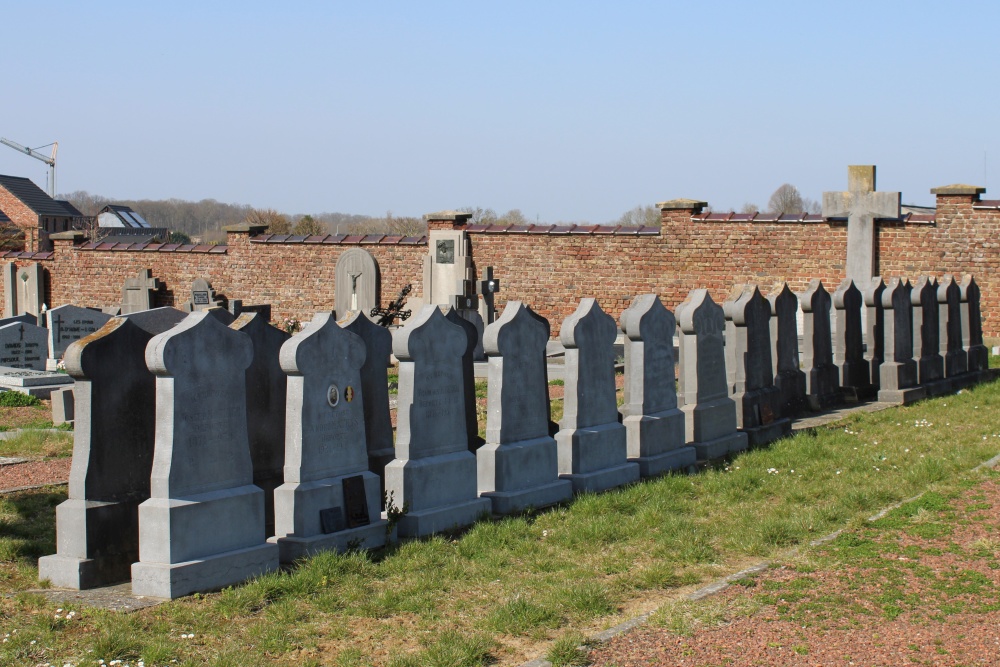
<point x="822" y="377"/>
<point x="330" y="500"/>
<point x="956" y="360"/>
<point x="788" y="377"/>
<point x="518" y="467"/>
<point x="375" y="387"/>
<point x="71" y="323"/>
<point x="758" y="401"/>
<point x="137" y="292"/>
<point x="97" y="528"/>
<point x="848" y="341"/>
<point x="202" y="297"/>
<point x="468" y="376"/>
<point x="63" y="406"/>
<point x="710" y="414"/>
<point x="874" y="334"/>
<point x="25" y="291"/>
<point x="593" y="453"/>
<point x="203" y="526"/>
<point x="898" y="382"/>
<point x="23" y="346"/>
<point x="733" y="351"/>
<point x="434" y="474"/>
<point x="156" y="320"/>
<point x="654" y="426"/>
<point x="266" y="387"/>
<point x="356" y="282"/>
<point x="10" y="290"/>
<point x="972" y="325"/>
<point x="926" y="346"/>
<point x="861" y="205"/>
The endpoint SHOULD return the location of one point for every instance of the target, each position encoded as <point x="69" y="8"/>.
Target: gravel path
<point x="32" y="473"/>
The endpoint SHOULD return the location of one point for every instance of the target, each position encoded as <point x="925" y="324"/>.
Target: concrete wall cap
<point x="454" y="216"/>
<point x="74" y="235"/>
<point x="681" y="204"/>
<point x="245" y="228"/>
<point x="958" y="189"/>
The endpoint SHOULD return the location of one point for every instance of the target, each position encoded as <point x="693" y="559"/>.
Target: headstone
<point x="265" y="391"/>
<point x="972" y="325"/>
<point x="23" y="346"/>
<point x="203" y="526"/>
<point x="330" y="500"/>
<point x="40" y="384"/>
<point x="733" y="351"/>
<point x="848" y="342"/>
<point x="898" y="382"/>
<point x="71" y="323"/>
<point x="26" y="318"/>
<point x="788" y="376"/>
<point x="874" y="334"/>
<point x="710" y="414"/>
<point x="468" y="377"/>
<point x="487" y="287"/>
<point x="25" y="291"/>
<point x="356" y="282"/>
<point x="236" y="307"/>
<point x="203" y="297"/>
<point x="222" y="315"/>
<point x="63" y="406"/>
<point x="654" y="426"/>
<point x="97" y="528"/>
<point x="822" y="377"/>
<point x="758" y="401"/>
<point x="156" y="320"/>
<point x="10" y="290"/>
<point x="861" y="205"/>
<point x="518" y="467"/>
<point x="956" y="360"/>
<point x="926" y="329"/>
<point x="433" y="476"/>
<point x="137" y="292"/>
<point x="375" y="387"/>
<point x="593" y="452"/>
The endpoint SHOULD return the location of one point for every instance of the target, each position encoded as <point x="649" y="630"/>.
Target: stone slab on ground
<point x="112" y="598"/>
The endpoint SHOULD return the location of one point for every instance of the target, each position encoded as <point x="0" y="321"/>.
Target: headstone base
<point x="758" y="436"/>
<point x="648" y="436"/>
<point x="546" y="495"/>
<point x="377" y="461"/>
<point x="902" y="396"/>
<point x="676" y="459"/>
<point x="174" y="580"/>
<point x="96" y="544"/>
<point x="824" y="401"/>
<point x="40" y="384"/>
<point x="979" y="357"/>
<point x="940" y="386"/>
<point x="709" y="420"/>
<point x="438" y="519"/>
<point x="291" y="548"/>
<point x="519" y="475"/>
<point x="792" y="392"/>
<point x="721" y="446"/>
<point x="63" y="406"/>
<point x="595" y="458"/>
<point x="602" y="480"/>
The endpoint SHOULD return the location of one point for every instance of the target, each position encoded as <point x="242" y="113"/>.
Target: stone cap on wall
<point x="958" y="189"/>
<point x="342" y="239"/>
<point x="74" y="235"/>
<point x="155" y="247"/>
<point x="681" y="205"/>
<point x="245" y="228"/>
<point x="459" y="217"/>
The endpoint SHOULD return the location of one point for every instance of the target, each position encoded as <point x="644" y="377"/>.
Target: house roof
<point x="35" y="198"/>
<point x="128" y="217"/>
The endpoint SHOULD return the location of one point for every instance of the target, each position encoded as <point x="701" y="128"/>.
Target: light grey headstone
<point x="926" y="329"/>
<point x="788" y="376"/>
<point x="265" y="390"/>
<point x="861" y="205"/>
<point x="375" y="387"/>
<point x="518" y="467"/>
<point x="710" y="414"/>
<point x="28" y="291"/>
<point x="848" y="340"/>
<point x="202" y="297"/>
<point x="97" y="528"/>
<point x="330" y="500"/>
<point x="468" y="375"/>
<point x="434" y="474"/>
<point x="654" y="425"/>
<point x="356" y="282"/>
<point x="733" y="352"/>
<point x="898" y="381"/>
<point x="63" y="406"/>
<point x="137" y="292"/>
<point x="10" y="290"/>
<point x="874" y="325"/>
<point x="23" y="346"/>
<point x="822" y="377"/>
<point x="758" y="401"/>
<point x="71" y="323"/>
<point x="972" y="325"/>
<point x="203" y="526"/>
<point x="956" y="360"/>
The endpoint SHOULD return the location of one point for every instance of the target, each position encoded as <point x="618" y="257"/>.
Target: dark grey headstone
<point x="654" y="425"/>
<point x="97" y="528"/>
<point x="874" y="334"/>
<point x="203" y="525"/>
<point x="972" y="325"/>
<point x="23" y="346"/>
<point x="956" y="360"/>
<point x="822" y="377"/>
<point x="265" y="390"/>
<point x="27" y="318"/>
<point x="156" y="320"/>
<point x="325" y="443"/>
<point x="898" y="382"/>
<point x="848" y="340"/>
<point x="468" y="377"/>
<point x="518" y="466"/>
<point x="788" y="376"/>
<point x="434" y="473"/>
<point x="926" y="345"/>
<point x="71" y="323"/>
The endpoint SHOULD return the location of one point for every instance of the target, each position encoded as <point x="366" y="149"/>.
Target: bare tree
<point x="641" y="216"/>
<point x="750" y="207"/>
<point x="512" y="217"/>
<point x="90" y="226"/>
<point x="276" y="222"/>
<point x="785" y="199"/>
<point x="309" y="226"/>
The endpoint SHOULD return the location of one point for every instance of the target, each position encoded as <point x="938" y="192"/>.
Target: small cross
<point x="487" y="287"/>
<point x="861" y="205"/>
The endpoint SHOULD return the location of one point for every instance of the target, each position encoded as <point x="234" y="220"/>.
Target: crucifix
<point x="354" y="289"/>
<point x="487" y="287"/>
<point x="861" y="205"/>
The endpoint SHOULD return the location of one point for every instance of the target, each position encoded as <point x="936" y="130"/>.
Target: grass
<point x="511" y="588"/>
<point x="38" y="443"/>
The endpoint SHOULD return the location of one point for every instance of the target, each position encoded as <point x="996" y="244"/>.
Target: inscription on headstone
<point x="23" y="346"/>
<point x="71" y="323"/>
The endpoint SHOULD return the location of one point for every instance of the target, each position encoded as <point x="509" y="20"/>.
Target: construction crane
<point x="49" y="160"/>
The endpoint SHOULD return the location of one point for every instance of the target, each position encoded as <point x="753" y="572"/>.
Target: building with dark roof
<point x="34" y="212"/>
<point x="117" y="215"/>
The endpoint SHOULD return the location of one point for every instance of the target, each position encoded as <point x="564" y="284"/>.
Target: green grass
<point x="527" y="581"/>
<point x="15" y="399"/>
<point x="38" y="443"/>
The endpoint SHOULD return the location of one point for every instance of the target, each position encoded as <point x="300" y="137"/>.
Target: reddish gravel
<point x="33" y="473"/>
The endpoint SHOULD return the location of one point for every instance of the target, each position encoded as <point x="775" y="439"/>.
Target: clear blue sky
<point x="569" y="111"/>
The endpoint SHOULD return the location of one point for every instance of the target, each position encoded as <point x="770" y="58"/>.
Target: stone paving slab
<point x="114" y="598"/>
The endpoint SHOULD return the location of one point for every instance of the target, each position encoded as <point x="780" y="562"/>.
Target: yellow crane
<point x="33" y="152"/>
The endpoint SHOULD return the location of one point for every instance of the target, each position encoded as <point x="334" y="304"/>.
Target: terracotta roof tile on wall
<point x="342" y="239"/>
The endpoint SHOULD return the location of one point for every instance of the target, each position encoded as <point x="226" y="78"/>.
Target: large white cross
<point x="861" y="205"/>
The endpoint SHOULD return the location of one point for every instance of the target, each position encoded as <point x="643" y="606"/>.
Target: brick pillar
<point x="955" y="202"/>
<point x="679" y="211"/>
<point x="238" y="236"/>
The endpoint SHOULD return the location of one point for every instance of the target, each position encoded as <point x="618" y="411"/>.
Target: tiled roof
<point x="342" y="239"/>
<point x="17" y="254"/>
<point x="562" y="230"/>
<point x="146" y="246"/>
<point x="987" y="203"/>
<point x="34" y="197"/>
<point x="799" y="218"/>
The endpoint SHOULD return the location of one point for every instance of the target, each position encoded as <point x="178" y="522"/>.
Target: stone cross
<point x="137" y="293"/>
<point x="486" y="288"/>
<point x="861" y="205"/>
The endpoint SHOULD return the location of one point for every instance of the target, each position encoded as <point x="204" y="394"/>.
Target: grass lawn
<point x="512" y="589"/>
